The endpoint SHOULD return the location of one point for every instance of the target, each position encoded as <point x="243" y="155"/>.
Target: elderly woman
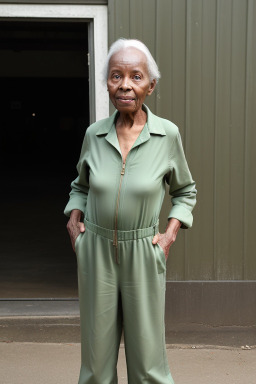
<point x="114" y="205"/>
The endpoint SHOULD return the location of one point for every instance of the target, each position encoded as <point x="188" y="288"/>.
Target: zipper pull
<point x="123" y="169"/>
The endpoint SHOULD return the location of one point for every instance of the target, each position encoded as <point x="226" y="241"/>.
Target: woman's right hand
<point x="75" y="226"/>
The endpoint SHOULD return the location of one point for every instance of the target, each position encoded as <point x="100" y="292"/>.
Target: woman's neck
<point x="130" y="120"/>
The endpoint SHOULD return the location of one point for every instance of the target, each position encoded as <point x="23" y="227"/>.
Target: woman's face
<point x="128" y="80"/>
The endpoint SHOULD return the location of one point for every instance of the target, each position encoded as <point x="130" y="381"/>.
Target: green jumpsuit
<point x="121" y="274"/>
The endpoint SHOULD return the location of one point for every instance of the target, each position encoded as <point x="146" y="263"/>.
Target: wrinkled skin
<point x="165" y="240"/>
<point x="75" y="226"/>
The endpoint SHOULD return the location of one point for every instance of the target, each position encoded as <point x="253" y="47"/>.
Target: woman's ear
<point x="152" y="87"/>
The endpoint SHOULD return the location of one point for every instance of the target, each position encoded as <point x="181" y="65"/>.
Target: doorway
<point x="44" y="113"/>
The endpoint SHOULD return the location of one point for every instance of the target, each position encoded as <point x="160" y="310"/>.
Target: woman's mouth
<point x="125" y="100"/>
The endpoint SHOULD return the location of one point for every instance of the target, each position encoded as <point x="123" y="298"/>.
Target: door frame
<point x="97" y="18"/>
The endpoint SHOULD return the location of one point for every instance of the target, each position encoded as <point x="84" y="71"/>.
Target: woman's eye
<point x="137" y="77"/>
<point x="116" y="77"/>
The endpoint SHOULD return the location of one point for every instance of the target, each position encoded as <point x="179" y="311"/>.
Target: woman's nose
<point x="125" y="84"/>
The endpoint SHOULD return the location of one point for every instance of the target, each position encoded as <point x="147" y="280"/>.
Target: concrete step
<point x="59" y="329"/>
<point x="57" y="321"/>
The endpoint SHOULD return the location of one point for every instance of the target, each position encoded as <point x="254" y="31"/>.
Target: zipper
<point x="115" y="241"/>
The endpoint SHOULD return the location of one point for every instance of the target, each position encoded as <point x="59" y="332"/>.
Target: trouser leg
<point x="142" y="268"/>
<point x="100" y="316"/>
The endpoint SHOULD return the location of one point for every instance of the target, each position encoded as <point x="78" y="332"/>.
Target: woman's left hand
<point x="165" y="240"/>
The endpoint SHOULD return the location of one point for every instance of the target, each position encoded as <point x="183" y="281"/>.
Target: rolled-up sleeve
<point x="182" y="188"/>
<point x="80" y="186"/>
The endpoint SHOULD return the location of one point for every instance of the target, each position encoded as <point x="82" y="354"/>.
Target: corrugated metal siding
<point x="206" y="52"/>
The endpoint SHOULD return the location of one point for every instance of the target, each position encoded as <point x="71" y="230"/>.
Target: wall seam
<point x="172" y="74"/>
<point x="215" y="145"/>
<point x="230" y="126"/>
<point x="245" y="138"/>
<point x="155" y="51"/>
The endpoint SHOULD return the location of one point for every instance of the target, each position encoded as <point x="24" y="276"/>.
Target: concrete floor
<point x="40" y="363"/>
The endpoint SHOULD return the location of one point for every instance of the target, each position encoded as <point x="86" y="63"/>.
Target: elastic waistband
<point x="123" y="235"/>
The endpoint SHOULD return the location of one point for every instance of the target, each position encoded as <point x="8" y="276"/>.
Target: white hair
<point x="121" y="44"/>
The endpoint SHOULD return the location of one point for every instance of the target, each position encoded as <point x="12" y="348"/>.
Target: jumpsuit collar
<point x="151" y="127"/>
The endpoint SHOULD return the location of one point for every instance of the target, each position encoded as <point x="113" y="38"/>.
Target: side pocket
<point x="161" y="260"/>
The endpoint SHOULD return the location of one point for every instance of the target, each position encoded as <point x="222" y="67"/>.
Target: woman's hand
<point x="165" y="240"/>
<point x="75" y="226"/>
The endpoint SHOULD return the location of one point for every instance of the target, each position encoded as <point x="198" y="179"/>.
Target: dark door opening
<point x="44" y="102"/>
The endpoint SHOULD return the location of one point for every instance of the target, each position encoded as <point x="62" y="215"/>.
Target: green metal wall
<point x="206" y="52"/>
